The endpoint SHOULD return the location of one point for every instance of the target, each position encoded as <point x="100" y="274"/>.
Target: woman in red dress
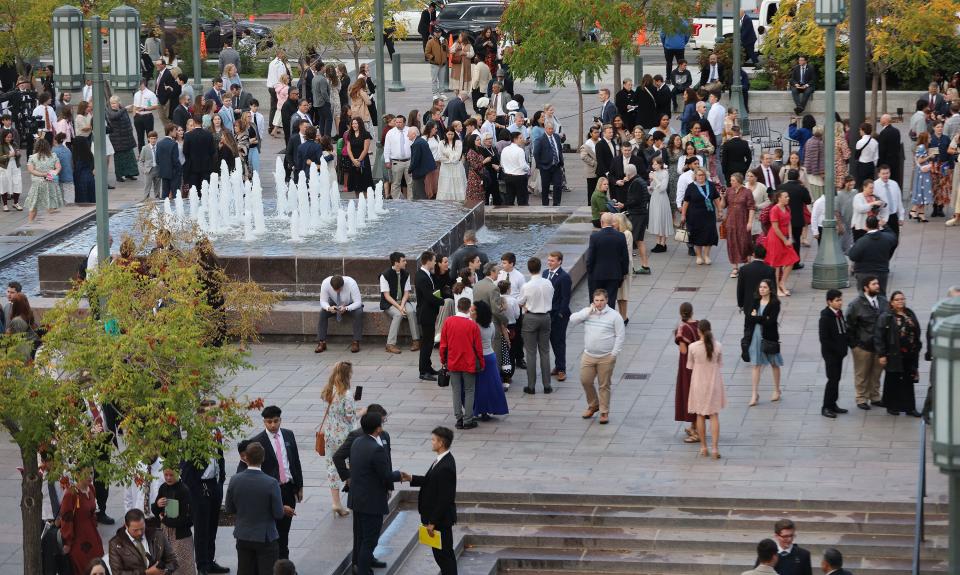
<point x="779" y="244"/>
<point x="78" y="524"/>
<point x="686" y="334"/>
<point x="740" y="207"/>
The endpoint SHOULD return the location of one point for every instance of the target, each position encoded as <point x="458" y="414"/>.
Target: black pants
<point x="196" y="179"/>
<point x="751" y="50"/>
<point x="591" y="185"/>
<point x="428" y="330"/>
<point x="551" y="177"/>
<point x="366" y="533"/>
<point x="256" y="557"/>
<point x="797" y="232"/>
<point x="206" y="519"/>
<point x="558" y="339"/>
<point x="834" y="368"/>
<point x="865" y="171"/>
<point x="288" y="493"/>
<point x="491" y="189"/>
<point x="143" y="123"/>
<point x="445" y="557"/>
<point x="324" y="119"/>
<point x="898" y="393"/>
<point x="169" y="188"/>
<point x="893" y="224"/>
<point x="669" y="56"/>
<point x="611" y="286"/>
<point x="516" y="190"/>
<point x="273" y="108"/>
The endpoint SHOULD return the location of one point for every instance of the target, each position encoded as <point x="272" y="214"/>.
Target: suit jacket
<point x="254" y="497"/>
<point x="605" y="157"/>
<point x="309" y="150"/>
<point x="544" y="152"/>
<point x="270" y="464"/>
<point x="889" y="150"/>
<point x="809" y="76"/>
<point x="562" y="288"/>
<point x="758" y="172"/>
<point x="421" y="159"/>
<point x="165" y="86"/>
<point x="125" y="558"/>
<point x="486" y="290"/>
<point x="456" y="110"/>
<point x="833" y="333"/>
<point x="607" y="112"/>
<point x="705" y="74"/>
<point x="371" y="478"/>
<point x="464" y="254"/>
<point x="242" y="102"/>
<point x="799" y="197"/>
<point x="293" y="145"/>
<point x="622" y="100"/>
<point x="200" y="152"/>
<point x="607" y="256"/>
<point x="437" y="500"/>
<point x="342" y="455"/>
<point x="145" y="161"/>
<point x="749" y="278"/>
<point x="663" y="99"/>
<point x="737" y="157"/>
<point x="616" y="173"/>
<point x="767" y="320"/>
<point x="428" y="305"/>
<point x="939" y="103"/>
<point x="180" y="116"/>
<point x="747" y="34"/>
<point x="797" y="562"/>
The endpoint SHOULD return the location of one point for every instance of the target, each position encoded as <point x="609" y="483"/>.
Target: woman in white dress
<point x="452" y="185"/>
<point x="661" y="216"/>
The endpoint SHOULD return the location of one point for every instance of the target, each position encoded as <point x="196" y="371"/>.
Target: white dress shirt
<point x="714" y="75"/>
<point x="349" y="295"/>
<point x="516" y="280"/>
<point x="889" y="191"/>
<point x="86" y="94"/>
<point x="47" y="114"/>
<point x="396" y="147"/>
<point x="278" y="436"/>
<point x="817" y="214"/>
<point x="144" y="99"/>
<point x="276" y="69"/>
<point x="869" y="150"/>
<point x="511" y="308"/>
<point x="683" y="182"/>
<point x="537" y="295"/>
<point x="385" y="286"/>
<point x="715" y="116"/>
<point x="514" y="161"/>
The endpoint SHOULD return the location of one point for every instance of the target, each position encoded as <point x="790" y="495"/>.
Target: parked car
<point x="703" y="33"/>
<point x="215" y="25"/>
<point x="470" y="16"/>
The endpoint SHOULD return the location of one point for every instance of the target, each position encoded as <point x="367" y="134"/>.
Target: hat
<point x="512" y="106"/>
<point x="483" y="102"/>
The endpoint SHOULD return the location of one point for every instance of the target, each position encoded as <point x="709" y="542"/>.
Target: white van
<point x="703" y="33"/>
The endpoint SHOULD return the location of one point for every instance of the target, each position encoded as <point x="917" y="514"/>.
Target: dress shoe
<point x="459" y="424"/>
<point x="604" y="419"/>
<point x="109" y="187"/>
<point x="485" y="417"/>
<point x="415" y="346"/>
<point x="892" y="411"/>
<point x="878" y="403"/>
<point x="864" y="406"/>
<point x="521" y="365"/>
<point x="547" y="389"/>
<point x="553" y="371"/>
<point x="561" y="376"/>
<point x="471" y="425"/>
<point x="590" y="411"/>
<point x="428" y="377"/>
<point x="530" y="390"/>
<point x="827" y="412"/>
<point x="217" y="568"/>
<point x="355" y="347"/>
<point x="378" y="564"/>
<point x="836" y="409"/>
<point x="913" y="413"/>
<point x="690" y="251"/>
<point x="392" y="349"/>
<point x="798" y="266"/>
<point x="105" y="519"/>
<point x="321" y="347"/>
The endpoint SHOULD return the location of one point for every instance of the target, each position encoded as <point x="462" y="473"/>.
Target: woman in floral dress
<point x="941" y="168"/>
<point x="44" y="168"/>
<point x="841" y="155"/>
<point x="475" y="166"/>
<point x="337" y="423"/>
<point x="740" y="207"/>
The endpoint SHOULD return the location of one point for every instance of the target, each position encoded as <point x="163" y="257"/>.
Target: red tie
<point x="46" y="113"/>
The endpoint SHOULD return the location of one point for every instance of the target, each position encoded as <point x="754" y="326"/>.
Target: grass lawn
<point x="273" y="6"/>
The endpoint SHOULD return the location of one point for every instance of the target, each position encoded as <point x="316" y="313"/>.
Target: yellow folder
<point x="427" y="540"/>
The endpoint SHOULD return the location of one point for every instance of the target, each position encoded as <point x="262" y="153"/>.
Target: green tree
<point x="26" y="31"/>
<point x="154" y="363"/>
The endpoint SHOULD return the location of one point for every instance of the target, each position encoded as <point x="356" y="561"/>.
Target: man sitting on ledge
<point x="340" y="296"/>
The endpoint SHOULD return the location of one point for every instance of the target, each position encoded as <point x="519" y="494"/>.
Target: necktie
<point x="46" y="113"/>
<point x="337" y="303"/>
<point x="840" y="326"/>
<point x="713" y="72"/>
<point x="769" y="177"/>
<point x="551" y="275"/>
<point x="873" y="302"/>
<point x="279" y="450"/>
<point x="802" y="70"/>
<point x="142" y="551"/>
<point x="784" y="553"/>
<point x="556" y="156"/>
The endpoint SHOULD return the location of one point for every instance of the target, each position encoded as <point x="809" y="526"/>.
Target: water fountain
<point x="295" y="227"/>
<point x="351" y="216"/>
<point x="361" y="212"/>
<point x="341" y="234"/>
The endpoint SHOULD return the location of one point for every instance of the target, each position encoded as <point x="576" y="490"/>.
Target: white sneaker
<point x="951" y="222"/>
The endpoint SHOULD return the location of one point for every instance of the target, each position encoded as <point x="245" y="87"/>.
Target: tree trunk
<point x="617" y="63"/>
<point x="874" y="91"/>
<point x="883" y="91"/>
<point x="31" y="501"/>
<point x="576" y="80"/>
<point x="233" y="16"/>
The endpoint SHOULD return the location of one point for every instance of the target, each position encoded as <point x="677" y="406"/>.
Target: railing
<point x="918" y="534"/>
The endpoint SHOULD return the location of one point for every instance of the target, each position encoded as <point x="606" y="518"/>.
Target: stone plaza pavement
<point x="780" y="450"/>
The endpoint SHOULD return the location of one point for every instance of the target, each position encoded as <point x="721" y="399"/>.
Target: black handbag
<point x="769" y="347"/>
<point x="443" y="376"/>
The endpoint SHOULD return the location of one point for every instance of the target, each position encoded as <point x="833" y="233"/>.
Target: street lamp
<point x="736" y="87"/>
<point x="381" y="96"/>
<point x="68" y="60"/>
<point x="830" y="267"/>
<point x="946" y="432"/>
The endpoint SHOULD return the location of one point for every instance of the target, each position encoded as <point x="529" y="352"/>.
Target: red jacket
<point x="460" y="344"/>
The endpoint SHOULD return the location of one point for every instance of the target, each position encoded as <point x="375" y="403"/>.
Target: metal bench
<point x="762" y="136"/>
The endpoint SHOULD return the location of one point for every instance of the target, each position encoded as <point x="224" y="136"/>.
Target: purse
<point x="769" y="347"/>
<point x="723" y="230"/>
<point x="682" y="235"/>
<point x="320" y="442"/>
<point x="443" y="376"/>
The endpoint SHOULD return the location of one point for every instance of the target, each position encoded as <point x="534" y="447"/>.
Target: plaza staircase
<point x="542" y="534"/>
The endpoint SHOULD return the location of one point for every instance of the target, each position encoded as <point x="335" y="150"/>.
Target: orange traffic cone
<point x="203" y="46"/>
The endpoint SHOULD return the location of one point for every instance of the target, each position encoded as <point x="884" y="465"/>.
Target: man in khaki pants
<point x="862" y="314"/>
<point x="602" y="341"/>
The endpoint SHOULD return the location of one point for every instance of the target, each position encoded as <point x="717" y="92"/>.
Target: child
<point x="148" y="165"/>
<point x="511" y="309"/>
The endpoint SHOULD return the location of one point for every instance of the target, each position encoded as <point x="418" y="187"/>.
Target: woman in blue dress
<point x="761" y="325"/>
<point x="489" y="398"/>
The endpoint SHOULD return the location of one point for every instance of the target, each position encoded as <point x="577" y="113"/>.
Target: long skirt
<point x="489" y="397"/>
<point x="183" y="551"/>
<point x="941" y="176"/>
<point x="680" y="412"/>
<point x="43" y="195"/>
<point x="125" y="164"/>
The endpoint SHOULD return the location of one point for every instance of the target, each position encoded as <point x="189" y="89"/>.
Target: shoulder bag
<point x="681" y="235"/>
<point x="443" y="376"/>
<point x="320" y="443"/>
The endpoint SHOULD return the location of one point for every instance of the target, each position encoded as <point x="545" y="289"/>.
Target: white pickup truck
<point x="703" y="33"/>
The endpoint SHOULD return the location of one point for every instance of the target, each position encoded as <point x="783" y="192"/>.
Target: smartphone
<point x="358" y="393"/>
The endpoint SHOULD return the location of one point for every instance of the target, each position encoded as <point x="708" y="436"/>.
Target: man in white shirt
<point x="888" y="190"/>
<point x="46" y="117"/>
<point x="276" y="69"/>
<point x="86" y="94"/>
<point x="536" y="296"/>
<point x="513" y="160"/>
<point x="395" y="301"/>
<point x="602" y="341"/>
<point x="396" y="156"/>
<point x="716" y="115"/>
<point x="686" y="178"/>
<point x="509" y="272"/>
<point x="339" y="297"/>
<point x="141" y="496"/>
<point x="144" y="103"/>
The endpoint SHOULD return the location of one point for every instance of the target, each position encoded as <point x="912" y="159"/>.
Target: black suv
<point x="470" y="16"/>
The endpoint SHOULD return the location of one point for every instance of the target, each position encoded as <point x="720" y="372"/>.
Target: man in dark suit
<point x="750" y="276"/>
<point x="168" y="163"/>
<point x="833" y="348"/>
<point x="466" y="253"/>
<point x="182" y="112"/>
<point x="215" y="93"/>
<point x="890" y="149"/>
<point x="662" y="96"/>
<point x="254" y="498"/>
<point x="165" y="88"/>
<point x="799" y="197"/>
<point x="711" y="75"/>
<point x="288" y="110"/>
<point x="935" y="100"/>
<point x="765" y="172"/>
<point x="607" y="258"/>
<point x="549" y="159"/>
<point x="617" y="176"/>
<point x="606" y="152"/>
<point x="737" y="155"/>
<point x="437" y="500"/>
<point x="832" y="563"/>
<point x="281" y="462"/>
<point x="425" y="26"/>
<point x="748" y="37"/>
<point x="371" y="481"/>
<point x="793" y="559"/>
<point x="626" y="103"/>
<point x="428" y="307"/>
<point x="559" y="312"/>
<point x="456" y="110"/>
<point x="200" y="152"/>
<point x="803" y="79"/>
<point x="293" y="146"/>
<point x="309" y="152"/>
<point x="608" y="110"/>
<point x="871" y="253"/>
<point x="421" y="162"/>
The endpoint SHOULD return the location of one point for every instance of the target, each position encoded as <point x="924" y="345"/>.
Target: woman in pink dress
<point x="779" y="244"/>
<point x="707" y="396"/>
<point x="685" y="335"/>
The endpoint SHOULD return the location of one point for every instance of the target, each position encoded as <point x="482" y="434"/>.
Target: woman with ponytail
<point x="707" y="396"/>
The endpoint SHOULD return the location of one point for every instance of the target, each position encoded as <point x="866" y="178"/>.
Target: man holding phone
<point x="339" y="298"/>
<point x="603" y="340"/>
